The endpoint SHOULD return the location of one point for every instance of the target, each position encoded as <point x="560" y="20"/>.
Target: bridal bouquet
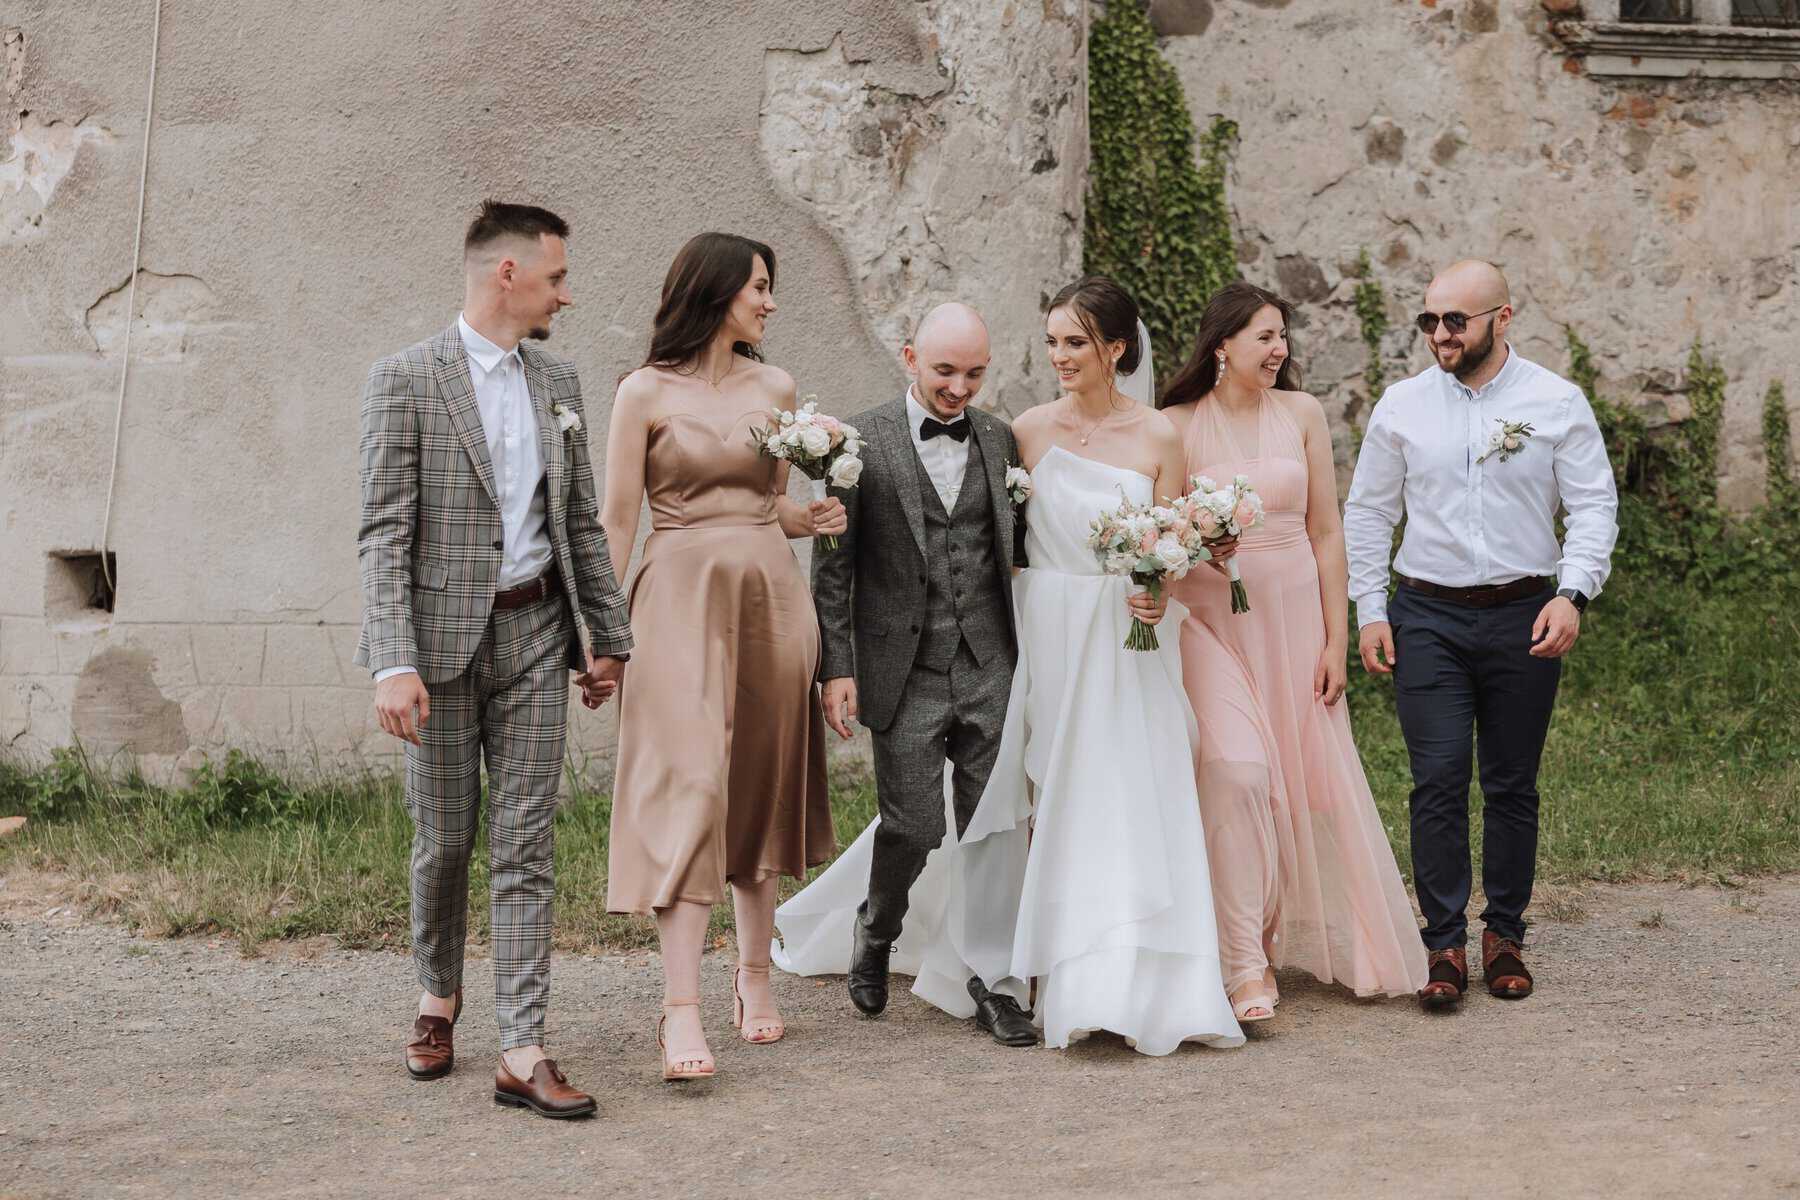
<point x="1150" y="543"/>
<point x="1226" y="512"/>
<point x="824" y="449"/>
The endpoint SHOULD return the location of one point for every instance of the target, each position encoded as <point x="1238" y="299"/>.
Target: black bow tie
<point x="957" y="431"/>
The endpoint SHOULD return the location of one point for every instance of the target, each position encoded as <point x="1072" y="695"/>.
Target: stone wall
<point x="1643" y="214"/>
<point x="311" y="169"/>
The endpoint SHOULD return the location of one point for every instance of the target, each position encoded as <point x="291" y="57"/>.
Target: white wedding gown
<point x="1084" y="866"/>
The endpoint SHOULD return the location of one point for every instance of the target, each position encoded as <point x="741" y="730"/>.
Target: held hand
<point x="1557" y="626"/>
<point x="600" y="681"/>
<point x="1222" y="550"/>
<point x="1330" y="677"/>
<point x="1376" y="640"/>
<point x="828" y="516"/>
<point x="1146" y="608"/>
<point x="395" y="698"/>
<point x="840" y="705"/>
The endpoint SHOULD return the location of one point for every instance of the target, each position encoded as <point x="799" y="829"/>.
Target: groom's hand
<point x="395" y="699"/>
<point x="601" y="680"/>
<point x="840" y="705"/>
<point x="1375" y="641"/>
<point x="1557" y="626"/>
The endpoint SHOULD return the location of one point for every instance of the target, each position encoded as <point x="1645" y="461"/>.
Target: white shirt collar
<point x="482" y="352"/>
<point x="1507" y="370"/>
<point x="916" y="413"/>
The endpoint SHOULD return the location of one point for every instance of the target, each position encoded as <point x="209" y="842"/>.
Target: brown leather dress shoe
<point x="1503" y="966"/>
<point x="431" y="1052"/>
<point x="1448" y="979"/>
<point x="546" y="1093"/>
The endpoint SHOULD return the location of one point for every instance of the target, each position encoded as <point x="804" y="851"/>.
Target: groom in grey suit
<point x="483" y="565"/>
<point x="915" y="609"/>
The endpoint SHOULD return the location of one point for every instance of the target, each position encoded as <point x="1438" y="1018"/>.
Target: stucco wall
<point x="1644" y="214"/>
<point x="311" y="169"/>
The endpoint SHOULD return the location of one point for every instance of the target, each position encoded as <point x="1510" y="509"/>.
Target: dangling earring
<point x="1221" y="364"/>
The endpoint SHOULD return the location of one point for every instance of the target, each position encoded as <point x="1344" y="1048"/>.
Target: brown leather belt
<point x="1485" y="596"/>
<point x="541" y="588"/>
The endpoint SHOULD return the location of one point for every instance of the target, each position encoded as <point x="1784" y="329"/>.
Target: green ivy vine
<point x="1156" y="215"/>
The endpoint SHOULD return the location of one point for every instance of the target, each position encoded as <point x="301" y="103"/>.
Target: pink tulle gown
<point x="1302" y="872"/>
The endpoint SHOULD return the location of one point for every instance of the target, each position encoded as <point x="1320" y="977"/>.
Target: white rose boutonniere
<point x="567" y="419"/>
<point x="1018" y="484"/>
<point x="1507" y="440"/>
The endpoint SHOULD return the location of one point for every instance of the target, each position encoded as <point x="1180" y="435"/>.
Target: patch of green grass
<point x="1674" y="753"/>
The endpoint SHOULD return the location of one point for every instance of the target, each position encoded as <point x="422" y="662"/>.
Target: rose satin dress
<point x="721" y="762"/>
<point x="1303" y="875"/>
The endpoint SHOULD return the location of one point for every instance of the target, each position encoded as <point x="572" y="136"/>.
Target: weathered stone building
<point x="310" y="171"/>
<point x="1643" y="207"/>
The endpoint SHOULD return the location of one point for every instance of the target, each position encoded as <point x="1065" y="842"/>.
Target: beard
<point x="539" y="333"/>
<point x="1473" y="355"/>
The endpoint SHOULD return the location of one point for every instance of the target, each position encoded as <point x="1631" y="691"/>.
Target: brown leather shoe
<point x="546" y="1093"/>
<point x="1448" y="980"/>
<point x="431" y="1053"/>
<point x="1503" y="966"/>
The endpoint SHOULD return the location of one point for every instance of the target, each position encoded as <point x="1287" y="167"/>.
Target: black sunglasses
<point x="1455" y="322"/>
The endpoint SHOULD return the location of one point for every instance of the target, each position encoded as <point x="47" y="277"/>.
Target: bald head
<point x="1468" y="286"/>
<point x="1473" y="294"/>
<point x="948" y="358"/>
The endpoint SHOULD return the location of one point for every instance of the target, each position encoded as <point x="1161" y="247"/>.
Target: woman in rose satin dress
<point x="1303" y="874"/>
<point x="721" y="761"/>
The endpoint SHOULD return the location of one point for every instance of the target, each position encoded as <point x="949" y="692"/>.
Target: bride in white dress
<point x="1084" y="867"/>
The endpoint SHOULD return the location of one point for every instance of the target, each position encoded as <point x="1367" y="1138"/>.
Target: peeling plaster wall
<point x="1642" y="214"/>
<point x="311" y="170"/>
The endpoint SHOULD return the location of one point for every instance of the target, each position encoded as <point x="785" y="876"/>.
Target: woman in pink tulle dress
<point x="1303" y="875"/>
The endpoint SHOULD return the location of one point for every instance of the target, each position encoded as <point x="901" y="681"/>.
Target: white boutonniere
<point x="567" y="419"/>
<point x="1507" y="440"/>
<point x="1018" y="485"/>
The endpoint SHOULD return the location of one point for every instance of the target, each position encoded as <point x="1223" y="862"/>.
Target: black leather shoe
<point x="1002" y="1017"/>
<point x="868" y="971"/>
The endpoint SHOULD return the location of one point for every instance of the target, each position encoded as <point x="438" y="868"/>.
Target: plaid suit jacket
<point x="429" y="546"/>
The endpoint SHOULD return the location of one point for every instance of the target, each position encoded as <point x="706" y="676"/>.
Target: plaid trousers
<point x="510" y="706"/>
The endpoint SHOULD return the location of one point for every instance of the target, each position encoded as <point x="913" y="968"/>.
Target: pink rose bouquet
<point x="824" y="449"/>
<point x="1227" y="512"/>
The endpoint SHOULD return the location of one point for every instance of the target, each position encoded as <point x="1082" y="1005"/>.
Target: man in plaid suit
<point x="485" y="577"/>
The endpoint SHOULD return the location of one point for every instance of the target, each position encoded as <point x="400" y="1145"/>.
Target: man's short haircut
<point x="497" y="220"/>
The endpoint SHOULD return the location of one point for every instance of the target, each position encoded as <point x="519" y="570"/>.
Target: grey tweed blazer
<point x="429" y="547"/>
<point x="870" y="591"/>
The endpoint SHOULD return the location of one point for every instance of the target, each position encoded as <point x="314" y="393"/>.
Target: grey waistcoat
<point x="963" y="598"/>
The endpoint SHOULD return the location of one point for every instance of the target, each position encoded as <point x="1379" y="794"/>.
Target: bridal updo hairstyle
<point x="1232" y="307"/>
<point x="704" y="279"/>
<point x="1107" y="313"/>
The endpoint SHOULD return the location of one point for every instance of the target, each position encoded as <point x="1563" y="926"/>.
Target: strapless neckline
<point x="1096" y="463"/>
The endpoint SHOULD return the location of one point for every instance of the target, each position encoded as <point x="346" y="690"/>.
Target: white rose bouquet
<point x="1150" y="543"/>
<point x="1226" y="512"/>
<point x="824" y="449"/>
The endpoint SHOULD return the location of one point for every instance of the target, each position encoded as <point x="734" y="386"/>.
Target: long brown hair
<point x="1232" y="307"/>
<point x="705" y="277"/>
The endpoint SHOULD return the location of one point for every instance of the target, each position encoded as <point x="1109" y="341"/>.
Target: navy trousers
<point x="1465" y="680"/>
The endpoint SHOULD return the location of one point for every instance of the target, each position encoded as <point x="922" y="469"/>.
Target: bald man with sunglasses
<point x="1478" y="453"/>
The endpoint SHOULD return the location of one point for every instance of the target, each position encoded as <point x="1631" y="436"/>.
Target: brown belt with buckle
<point x="1485" y="596"/>
<point x="541" y="588"/>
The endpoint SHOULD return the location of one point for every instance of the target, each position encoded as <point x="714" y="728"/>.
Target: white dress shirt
<point x="511" y="429"/>
<point x="1472" y="523"/>
<point x="946" y="459"/>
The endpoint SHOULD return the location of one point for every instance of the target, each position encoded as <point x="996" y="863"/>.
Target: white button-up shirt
<point x="1470" y="523"/>
<point x="946" y="459"/>
<point x="510" y="427"/>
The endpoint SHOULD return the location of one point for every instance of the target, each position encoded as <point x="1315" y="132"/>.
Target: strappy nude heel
<point x="1245" y="1010"/>
<point x="669" y="1073"/>
<point x="1269" y="983"/>
<point x="737" y="1009"/>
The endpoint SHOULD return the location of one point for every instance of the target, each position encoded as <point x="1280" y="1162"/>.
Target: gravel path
<point x="1658" y="1059"/>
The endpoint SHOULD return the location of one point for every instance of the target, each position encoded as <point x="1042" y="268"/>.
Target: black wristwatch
<point x="626" y="656"/>
<point x="1574" y="596"/>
